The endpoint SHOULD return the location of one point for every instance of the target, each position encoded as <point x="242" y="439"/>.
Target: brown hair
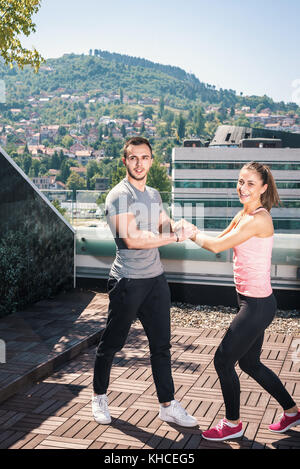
<point x="270" y="197"/>
<point x="136" y="141"/>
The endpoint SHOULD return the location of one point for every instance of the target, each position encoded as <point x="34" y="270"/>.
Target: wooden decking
<point x="56" y="412"/>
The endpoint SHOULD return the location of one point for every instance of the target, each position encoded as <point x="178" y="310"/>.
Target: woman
<point x="250" y="234"/>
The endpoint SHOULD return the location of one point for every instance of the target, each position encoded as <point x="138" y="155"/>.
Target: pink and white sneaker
<point x="285" y="423"/>
<point x="223" y="431"/>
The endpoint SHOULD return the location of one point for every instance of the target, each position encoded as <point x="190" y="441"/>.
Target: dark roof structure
<point x="231" y="135"/>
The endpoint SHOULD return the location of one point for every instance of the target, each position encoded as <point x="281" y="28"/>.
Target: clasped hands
<point x="185" y="230"/>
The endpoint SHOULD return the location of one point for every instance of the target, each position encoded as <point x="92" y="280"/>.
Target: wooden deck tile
<point x="56" y="442"/>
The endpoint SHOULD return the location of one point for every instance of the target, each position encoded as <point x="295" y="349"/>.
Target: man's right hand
<point x="185" y="230"/>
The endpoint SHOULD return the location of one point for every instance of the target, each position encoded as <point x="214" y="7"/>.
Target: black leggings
<point x="243" y="342"/>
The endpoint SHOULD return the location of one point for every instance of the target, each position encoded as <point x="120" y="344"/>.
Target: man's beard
<point x="134" y="176"/>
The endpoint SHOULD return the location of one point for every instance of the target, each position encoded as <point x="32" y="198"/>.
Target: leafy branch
<point x="15" y="19"/>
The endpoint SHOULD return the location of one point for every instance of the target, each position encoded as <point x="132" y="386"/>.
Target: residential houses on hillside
<point x="273" y="121"/>
<point x="40" y="139"/>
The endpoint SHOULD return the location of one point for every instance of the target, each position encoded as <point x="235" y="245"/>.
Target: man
<point x="137" y="285"/>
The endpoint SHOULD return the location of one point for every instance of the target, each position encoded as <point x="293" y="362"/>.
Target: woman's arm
<point x="231" y="225"/>
<point x="253" y="226"/>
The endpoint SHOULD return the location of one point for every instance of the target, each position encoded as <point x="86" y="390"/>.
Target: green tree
<point x="46" y="142"/>
<point x="118" y="174"/>
<point x="82" y="114"/>
<point x="168" y="129"/>
<point x="168" y="118"/>
<point x="242" y="121"/>
<point x="148" y="112"/>
<point x="92" y="169"/>
<point x="123" y="131"/>
<point x="35" y="167"/>
<point x="142" y="131"/>
<point x="58" y="207"/>
<point x="100" y="134"/>
<point x="222" y="112"/>
<point x="199" y="122"/>
<point x="91" y="183"/>
<point x="161" y="106"/>
<point x="55" y="161"/>
<point x="181" y="126"/>
<point x="67" y="141"/>
<point x="158" y="178"/>
<point x="27" y="162"/>
<point x="161" y="130"/>
<point x="65" y="171"/>
<point x="258" y="125"/>
<point x="260" y="107"/>
<point x="211" y="127"/>
<point x="75" y="182"/>
<point x="62" y="131"/>
<point x="15" y="19"/>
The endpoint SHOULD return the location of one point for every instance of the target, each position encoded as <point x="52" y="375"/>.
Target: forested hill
<point x="175" y="72"/>
<point x="109" y="72"/>
<point x="193" y="87"/>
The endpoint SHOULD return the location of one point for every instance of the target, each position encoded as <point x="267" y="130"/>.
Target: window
<point x="210" y="184"/>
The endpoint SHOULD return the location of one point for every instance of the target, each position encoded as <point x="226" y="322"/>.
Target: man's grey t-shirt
<point x="146" y="207"/>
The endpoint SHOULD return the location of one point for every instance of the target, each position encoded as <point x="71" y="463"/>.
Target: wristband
<point x="177" y="237"/>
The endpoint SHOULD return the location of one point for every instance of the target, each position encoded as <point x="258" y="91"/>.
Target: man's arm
<point x="166" y="224"/>
<point x="126" y="227"/>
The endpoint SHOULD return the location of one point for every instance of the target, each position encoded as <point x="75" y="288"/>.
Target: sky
<point x="252" y="47"/>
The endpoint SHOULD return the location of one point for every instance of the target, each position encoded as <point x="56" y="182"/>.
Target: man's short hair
<point x="136" y="141"/>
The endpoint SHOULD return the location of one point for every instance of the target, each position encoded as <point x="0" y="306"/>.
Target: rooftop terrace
<point x="47" y="349"/>
<point x="46" y="384"/>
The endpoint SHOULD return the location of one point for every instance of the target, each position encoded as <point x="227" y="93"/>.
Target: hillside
<point x="82" y="73"/>
<point x="106" y="72"/>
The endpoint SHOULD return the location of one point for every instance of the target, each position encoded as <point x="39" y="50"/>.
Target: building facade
<point x="204" y="184"/>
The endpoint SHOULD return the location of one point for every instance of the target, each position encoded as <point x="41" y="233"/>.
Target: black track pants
<point x="148" y="300"/>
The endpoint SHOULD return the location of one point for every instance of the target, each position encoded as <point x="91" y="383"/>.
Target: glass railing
<point x="214" y="213"/>
<point x="85" y="211"/>
<point x="86" y="208"/>
<point x="36" y="243"/>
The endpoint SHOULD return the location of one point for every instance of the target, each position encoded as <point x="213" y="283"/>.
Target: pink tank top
<point x="252" y="266"/>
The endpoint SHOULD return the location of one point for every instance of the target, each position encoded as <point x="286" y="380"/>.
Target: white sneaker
<point x="175" y="413"/>
<point x="100" y="409"/>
